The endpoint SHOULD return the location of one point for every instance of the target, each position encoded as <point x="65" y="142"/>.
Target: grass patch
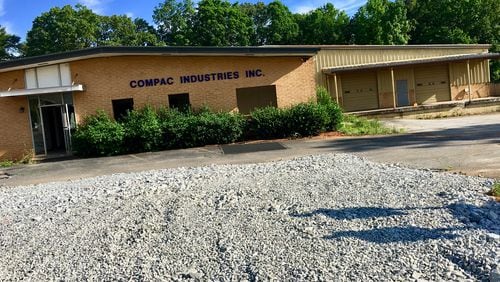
<point x="354" y="125"/>
<point x="7" y="163"/>
<point x="495" y="190"/>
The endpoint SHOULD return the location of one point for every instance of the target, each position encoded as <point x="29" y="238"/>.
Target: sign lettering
<point x="195" y="78"/>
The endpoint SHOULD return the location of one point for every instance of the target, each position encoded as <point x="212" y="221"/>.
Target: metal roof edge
<point x="391" y="47"/>
<point x="156" y="51"/>
<point x="442" y="59"/>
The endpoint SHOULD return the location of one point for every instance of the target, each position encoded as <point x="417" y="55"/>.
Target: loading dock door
<point x="432" y="84"/>
<point x="359" y="91"/>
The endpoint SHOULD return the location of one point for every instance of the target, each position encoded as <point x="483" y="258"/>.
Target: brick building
<point x="43" y="98"/>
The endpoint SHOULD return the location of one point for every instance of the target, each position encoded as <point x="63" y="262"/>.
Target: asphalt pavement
<point x="468" y="145"/>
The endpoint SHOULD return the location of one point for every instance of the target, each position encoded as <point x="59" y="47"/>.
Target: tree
<point x="62" y="29"/>
<point x="281" y="27"/>
<point x="381" y="22"/>
<point x="120" y="30"/>
<point x="258" y="14"/>
<point x="174" y="22"/>
<point x="325" y="25"/>
<point x="218" y="23"/>
<point x="10" y="45"/>
<point x="146" y="33"/>
<point x="449" y="21"/>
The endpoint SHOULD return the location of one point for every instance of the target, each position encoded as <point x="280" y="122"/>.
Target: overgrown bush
<point x="98" y="135"/>
<point x="148" y="130"/>
<point x="306" y="119"/>
<point x="333" y="110"/>
<point x="184" y="130"/>
<point x="143" y="130"/>
<point x="220" y="128"/>
<point x="267" y="123"/>
<point x="322" y="96"/>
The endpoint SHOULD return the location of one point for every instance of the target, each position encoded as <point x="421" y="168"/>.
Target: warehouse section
<point x="405" y="75"/>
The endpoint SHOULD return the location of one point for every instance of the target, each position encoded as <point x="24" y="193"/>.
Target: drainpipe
<point x="468" y="80"/>
<point x="336" y="88"/>
<point x="393" y="88"/>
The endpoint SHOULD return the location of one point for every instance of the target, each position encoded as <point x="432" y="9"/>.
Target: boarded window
<point x="179" y="101"/>
<point x="48" y="76"/>
<point x="251" y="98"/>
<point x="121" y="107"/>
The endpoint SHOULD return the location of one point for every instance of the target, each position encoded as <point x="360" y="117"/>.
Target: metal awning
<point x="442" y="59"/>
<point x="41" y="91"/>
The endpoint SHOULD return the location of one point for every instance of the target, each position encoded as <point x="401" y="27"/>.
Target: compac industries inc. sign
<point x="195" y="78"/>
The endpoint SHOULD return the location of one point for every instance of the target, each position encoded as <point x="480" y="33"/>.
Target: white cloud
<point x="130" y="15"/>
<point x="98" y="6"/>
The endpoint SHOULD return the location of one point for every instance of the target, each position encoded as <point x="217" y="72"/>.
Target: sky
<point x="17" y="15"/>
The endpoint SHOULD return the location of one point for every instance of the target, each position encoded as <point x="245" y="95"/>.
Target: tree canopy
<point x="220" y="23"/>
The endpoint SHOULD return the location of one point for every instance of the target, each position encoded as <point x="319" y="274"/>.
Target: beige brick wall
<point x="109" y="78"/>
<point x="15" y="132"/>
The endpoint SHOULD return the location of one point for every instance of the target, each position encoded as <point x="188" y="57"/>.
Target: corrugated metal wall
<point x="343" y="57"/>
<point x="478" y="71"/>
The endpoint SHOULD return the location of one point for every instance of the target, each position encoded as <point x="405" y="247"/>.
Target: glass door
<point x="52" y="121"/>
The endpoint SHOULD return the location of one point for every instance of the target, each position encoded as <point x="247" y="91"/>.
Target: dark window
<point x="179" y="101"/>
<point x="251" y="98"/>
<point x="121" y="107"/>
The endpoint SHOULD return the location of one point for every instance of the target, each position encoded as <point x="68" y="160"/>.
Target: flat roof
<point x="55" y="58"/>
<point x="441" y="59"/>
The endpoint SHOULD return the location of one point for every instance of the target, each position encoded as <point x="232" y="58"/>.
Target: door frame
<point x="407" y="93"/>
<point x="65" y="119"/>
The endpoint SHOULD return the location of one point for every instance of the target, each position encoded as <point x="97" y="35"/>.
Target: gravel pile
<point x="328" y="217"/>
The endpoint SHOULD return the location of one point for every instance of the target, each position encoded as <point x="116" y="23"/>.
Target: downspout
<point x="393" y="88"/>
<point x="468" y="81"/>
<point x="336" y="87"/>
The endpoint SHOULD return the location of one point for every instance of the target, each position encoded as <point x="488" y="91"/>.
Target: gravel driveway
<point x="328" y="217"/>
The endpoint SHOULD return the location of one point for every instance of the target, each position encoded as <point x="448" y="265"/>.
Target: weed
<point x="495" y="190"/>
<point x="353" y="125"/>
<point x="6" y="163"/>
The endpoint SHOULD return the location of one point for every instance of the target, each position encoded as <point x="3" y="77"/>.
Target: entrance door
<point x="402" y="93"/>
<point x="53" y="127"/>
<point x="52" y="120"/>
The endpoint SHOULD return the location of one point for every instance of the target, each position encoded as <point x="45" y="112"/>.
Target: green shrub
<point x="267" y="123"/>
<point x="98" y="135"/>
<point x="219" y="128"/>
<point x="322" y="96"/>
<point x="306" y="119"/>
<point x="184" y="130"/>
<point x="334" y="114"/>
<point x="332" y="108"/>
<point x="143" y="130"/>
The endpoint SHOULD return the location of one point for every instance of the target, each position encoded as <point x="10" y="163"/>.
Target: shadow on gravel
<point x="396" y="234"/>
<point x="487" y="134"/>
<point x="353" y="213"/>
<point x="486" y="217"/>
